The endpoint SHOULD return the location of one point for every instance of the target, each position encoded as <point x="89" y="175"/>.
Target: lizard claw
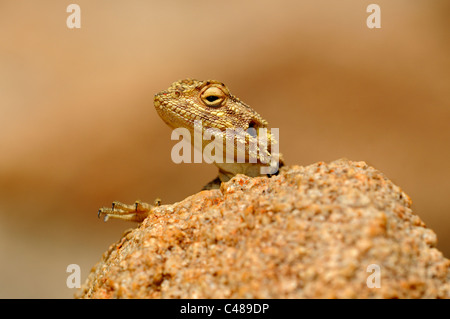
<point x="101" y="212"/>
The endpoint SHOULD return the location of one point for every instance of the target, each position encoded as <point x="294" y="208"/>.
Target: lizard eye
<point x="213" y="96"/>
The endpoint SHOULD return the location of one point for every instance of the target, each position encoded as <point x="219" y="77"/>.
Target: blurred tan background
<point x="78" y="128"/>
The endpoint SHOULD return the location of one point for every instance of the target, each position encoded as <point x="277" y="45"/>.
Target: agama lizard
<point x="187" y="103"/>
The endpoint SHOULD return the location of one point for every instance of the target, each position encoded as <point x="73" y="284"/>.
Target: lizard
<point x="188" y="103"/>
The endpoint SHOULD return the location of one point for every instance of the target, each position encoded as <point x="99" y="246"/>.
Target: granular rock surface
<point x="321" y="231"/>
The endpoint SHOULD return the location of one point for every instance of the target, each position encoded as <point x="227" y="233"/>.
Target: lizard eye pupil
<point x="212" y="98"/>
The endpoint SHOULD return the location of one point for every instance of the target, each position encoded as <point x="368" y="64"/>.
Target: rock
<point x="321" y="231"/>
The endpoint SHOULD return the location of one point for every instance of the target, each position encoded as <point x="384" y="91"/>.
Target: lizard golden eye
<point x="213" y="96"/>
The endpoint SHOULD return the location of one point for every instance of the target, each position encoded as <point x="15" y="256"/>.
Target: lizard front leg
<point x="136" y="212"/>
<point x="214" y="184"/>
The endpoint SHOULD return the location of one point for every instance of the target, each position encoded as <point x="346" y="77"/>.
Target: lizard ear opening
<point x="252" y="126"/>
<point x="213" y="96"/>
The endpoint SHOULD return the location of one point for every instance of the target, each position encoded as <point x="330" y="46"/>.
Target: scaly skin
<point x="211" y="103"/>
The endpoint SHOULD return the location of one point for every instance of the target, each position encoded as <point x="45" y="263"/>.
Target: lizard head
<point x="211" y="103"/>
<point x="208" y="101"/>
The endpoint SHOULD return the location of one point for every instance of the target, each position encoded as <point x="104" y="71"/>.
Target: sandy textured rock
<point x="310" y="232"/>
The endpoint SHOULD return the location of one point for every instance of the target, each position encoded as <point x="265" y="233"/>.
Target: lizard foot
<point x="136" y="212"/>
